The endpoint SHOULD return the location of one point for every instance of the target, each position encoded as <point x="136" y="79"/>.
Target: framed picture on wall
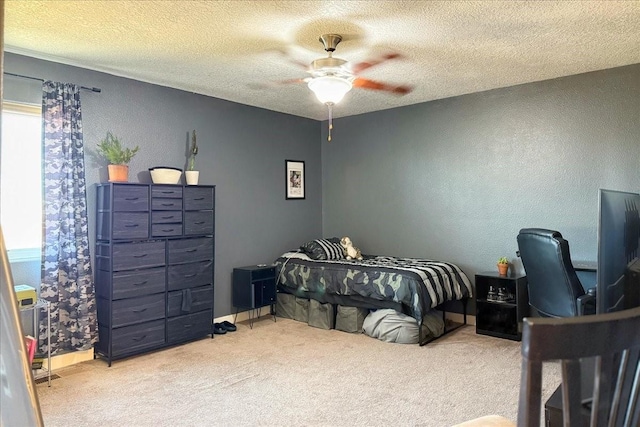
<point x="294" y="179"/>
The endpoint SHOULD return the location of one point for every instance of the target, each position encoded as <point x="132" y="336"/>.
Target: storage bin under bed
<point x="285" y="305"/>
<point x="321" y="315"/>
<point x="350" y="319"/>
<point x="291" y="307"/>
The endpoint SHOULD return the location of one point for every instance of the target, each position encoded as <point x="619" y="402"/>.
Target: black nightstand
<point x="254" y="287"/>
<point x="501" y="303"/>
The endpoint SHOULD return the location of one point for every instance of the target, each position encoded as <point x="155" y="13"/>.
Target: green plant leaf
<point x="111" y="149"/>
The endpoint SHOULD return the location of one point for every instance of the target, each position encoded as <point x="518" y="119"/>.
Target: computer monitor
<point x="618" y="241"/>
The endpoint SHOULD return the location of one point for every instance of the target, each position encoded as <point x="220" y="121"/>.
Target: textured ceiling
<point x="240" y="50"/>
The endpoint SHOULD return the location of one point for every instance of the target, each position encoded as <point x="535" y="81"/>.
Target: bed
<point x="412" y="286"/>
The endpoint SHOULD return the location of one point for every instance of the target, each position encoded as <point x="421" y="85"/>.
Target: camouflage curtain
<point x="66" y="268"/>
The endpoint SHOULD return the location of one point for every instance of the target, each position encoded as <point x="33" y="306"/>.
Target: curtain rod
<point x="92" y="89"/>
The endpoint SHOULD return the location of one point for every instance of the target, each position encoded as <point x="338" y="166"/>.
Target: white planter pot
<point x="192" y="177"/>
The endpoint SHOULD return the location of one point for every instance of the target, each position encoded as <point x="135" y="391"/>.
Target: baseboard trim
<point x="241" y="317"/>
<point x="63" y="360"/>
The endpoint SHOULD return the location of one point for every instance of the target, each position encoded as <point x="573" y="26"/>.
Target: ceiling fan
<point x="331" y="78"/>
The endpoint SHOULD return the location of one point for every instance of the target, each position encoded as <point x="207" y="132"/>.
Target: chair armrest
<point x="586" y="304"/>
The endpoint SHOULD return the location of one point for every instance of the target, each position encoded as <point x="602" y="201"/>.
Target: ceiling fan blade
<point x="289" y="81"/>
<point x="373" y="85"/>
<point x="291" y="59"/>
<point x="361" y="66"/>
<point x="272" y="84"/>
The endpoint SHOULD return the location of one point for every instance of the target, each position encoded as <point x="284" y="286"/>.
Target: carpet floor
<point x="287" y="373"/>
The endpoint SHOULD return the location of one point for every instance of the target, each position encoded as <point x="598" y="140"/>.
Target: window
<point x="21" y="180"/>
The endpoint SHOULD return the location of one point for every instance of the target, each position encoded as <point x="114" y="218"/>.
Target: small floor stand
<point x="255" y="313"/>
<point x="41" y="305"/>
<point x="422" y="340"/>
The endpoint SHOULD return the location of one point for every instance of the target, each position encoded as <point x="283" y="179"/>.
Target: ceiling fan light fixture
<point x="329" y="89"/>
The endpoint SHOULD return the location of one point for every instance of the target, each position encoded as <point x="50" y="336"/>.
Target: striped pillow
<point x="324" y="249"/>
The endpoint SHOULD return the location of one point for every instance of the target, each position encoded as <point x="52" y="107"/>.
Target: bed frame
<point x="326" y="282"/>
<point x="422" y="340"/>
<point x="354" y="301"/>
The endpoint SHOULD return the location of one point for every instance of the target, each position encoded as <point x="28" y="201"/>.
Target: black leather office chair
<point x="554" y="287"/>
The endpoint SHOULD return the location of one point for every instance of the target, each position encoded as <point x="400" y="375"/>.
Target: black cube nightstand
<point x="254" y="287"/>
<point x="501" y="303"/>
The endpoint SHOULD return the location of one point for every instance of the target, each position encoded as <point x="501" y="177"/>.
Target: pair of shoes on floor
<point x="223" y="328"/>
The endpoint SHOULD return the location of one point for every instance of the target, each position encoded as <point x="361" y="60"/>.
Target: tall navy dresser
<point x="154" y="266"/>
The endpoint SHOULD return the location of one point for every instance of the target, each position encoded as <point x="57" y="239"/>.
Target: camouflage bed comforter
<point x="417" y="284"/>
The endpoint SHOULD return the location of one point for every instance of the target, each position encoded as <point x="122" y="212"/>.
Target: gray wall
<point x="453" y="179"/>
<point x="456" y="179"/>
<point x="242" y="151"/>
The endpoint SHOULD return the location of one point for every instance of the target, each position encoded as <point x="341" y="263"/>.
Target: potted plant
<point x="503" y="266"/>
<point x="191" y="174"/>
<point x="118" y="157"/>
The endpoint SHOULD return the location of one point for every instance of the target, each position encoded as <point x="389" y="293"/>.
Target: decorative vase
<point x="118" y="173"/>
<point x="502" y="269"/>
<point x="192" y="177"/>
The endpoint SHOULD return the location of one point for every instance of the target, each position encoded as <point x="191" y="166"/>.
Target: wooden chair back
<point x="613" y="339"/>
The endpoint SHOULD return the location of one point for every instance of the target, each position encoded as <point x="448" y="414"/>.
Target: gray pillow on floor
<point x="390" y="326"/>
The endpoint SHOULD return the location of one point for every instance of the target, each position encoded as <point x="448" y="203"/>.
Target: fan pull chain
<point x="330" y="105"/>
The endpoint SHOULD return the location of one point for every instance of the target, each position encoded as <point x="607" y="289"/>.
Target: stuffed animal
<point x="350" y="251"/>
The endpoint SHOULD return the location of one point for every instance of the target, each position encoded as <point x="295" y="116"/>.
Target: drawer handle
<point x="167" y="192"/>
<point x="138" y="339"/>
<point x="192" y="250"/>
<point x="140" y="283"/>
<point x="167" y="230"/>
<point x="167" y="217"/>
<point x="132" y="225"/>
<point x="187" y="326"/>
<point x="187" y="276"/>
<point x="167" y="204"/>
<point x="140" y="256"/>
<point x="199" y="198"/>
<point x="140" y="310"/>
<point x="131" y="198"/>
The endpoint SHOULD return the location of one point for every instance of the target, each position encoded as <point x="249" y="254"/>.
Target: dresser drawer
<point x="166" y="191"/>
<point x="198" y="222"/>
<point x="166" y="230"/>
<point x="128" y="284"/>
<point x="129" y="256"/>
<point x="190" y="326"/>
<point x="130" y="198"/>
<point x="166" y="217"/>
<point x="190" y="250"/>
<point x="198" y="198"/>
<point x="166" y="204"/>
<point x="190" y="275"/>
<point x="129" y="225"/>
<point x="136" y="310"/>
<point x="132" y="339"/>
<point x="190" y="301"/>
